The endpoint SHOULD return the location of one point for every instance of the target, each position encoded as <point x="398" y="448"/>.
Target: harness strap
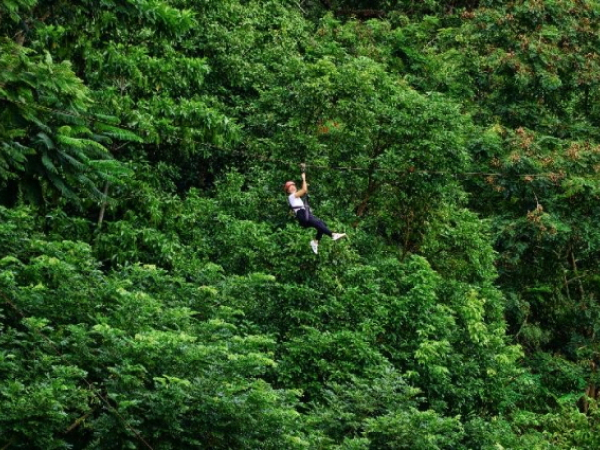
<point x="302" y="215"/>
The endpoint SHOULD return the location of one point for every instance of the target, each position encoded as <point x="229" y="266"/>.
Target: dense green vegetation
<point x="156" y="294"/>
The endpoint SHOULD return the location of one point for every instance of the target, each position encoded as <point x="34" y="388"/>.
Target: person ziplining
<point x="304" y="214"/>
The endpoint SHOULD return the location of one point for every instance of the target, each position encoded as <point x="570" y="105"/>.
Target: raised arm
<point x="304" y="190"/>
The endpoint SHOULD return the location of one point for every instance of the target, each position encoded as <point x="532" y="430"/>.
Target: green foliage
<point x="45" y="154"/>
<point x="143" y="63"/>
<point x="102" y="349"/>
<point x="385" y="411"/>
<point x="179" y="304"/>
<point x="548" y="245"/>
<point x="396" y="149"/>
<point x="533" y="64"/>
<point x="15" y="9"/>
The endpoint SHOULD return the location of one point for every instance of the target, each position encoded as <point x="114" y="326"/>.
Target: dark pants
<point x="307" y="220"/>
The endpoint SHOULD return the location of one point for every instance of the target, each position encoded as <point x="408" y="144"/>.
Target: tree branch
<point x="362" y="13"/>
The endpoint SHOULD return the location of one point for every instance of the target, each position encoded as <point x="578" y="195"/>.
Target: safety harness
<point x="306" y="206"/>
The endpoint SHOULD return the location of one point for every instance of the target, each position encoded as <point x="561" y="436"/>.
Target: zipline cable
<point x="553" y="176"/>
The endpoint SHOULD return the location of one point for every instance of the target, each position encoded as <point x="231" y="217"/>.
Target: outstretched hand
<point x="304" y="189"/>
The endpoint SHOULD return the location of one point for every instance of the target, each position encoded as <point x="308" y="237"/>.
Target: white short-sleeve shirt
<point x="295" y="202"/>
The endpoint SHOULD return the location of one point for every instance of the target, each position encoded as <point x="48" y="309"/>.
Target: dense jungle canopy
<point x="155" y="292"/>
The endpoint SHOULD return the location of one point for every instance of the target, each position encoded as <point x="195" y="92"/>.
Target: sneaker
<point x="315" y="246"/>
<point x="336" y="236"/>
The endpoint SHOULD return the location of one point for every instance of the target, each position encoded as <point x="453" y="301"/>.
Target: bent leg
<point x="320" y="226"/>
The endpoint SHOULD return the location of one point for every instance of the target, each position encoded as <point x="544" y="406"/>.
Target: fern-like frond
<point x="80" y="131"/>
<point x="111" y="170"/>
<point x="14" y="153"/>
<point x="49" y="164"/>
<point x="75" y="163"/>
<point x="107" y="119"/>
<point x="59" y="185"/>
<point x="91" y="187"/>
<point x="118" y="133"/>
<point x="45" y="139"/>
<point x="73" y="142"/>
<point x="30" y="116"/>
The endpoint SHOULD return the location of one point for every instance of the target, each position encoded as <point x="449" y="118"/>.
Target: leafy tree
<point x="533" y="65"/>
<point x="45" y="153"/>
<point x="189" y="312"/>
<point x="142" y="63"/>
<point x="115" y="366"/>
